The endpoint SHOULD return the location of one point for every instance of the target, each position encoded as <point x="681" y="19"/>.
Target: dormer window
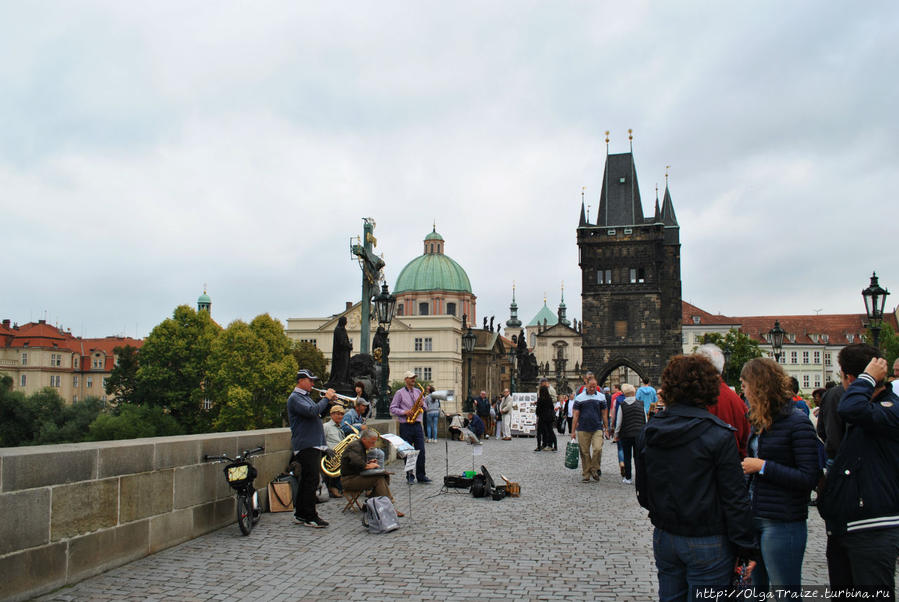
<point x="696" y="319"/>
<point x="850" y="337"/>
<point x="825" y="338"/>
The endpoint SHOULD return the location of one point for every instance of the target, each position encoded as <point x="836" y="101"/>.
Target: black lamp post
<point x="776" y="338"/>
<point x="875" y="297"/>
<point x="468" y="341"/>
<point x="385" y="306"/>
<point x="512" y="364"/>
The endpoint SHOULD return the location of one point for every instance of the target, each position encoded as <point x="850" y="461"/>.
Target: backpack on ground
<point x="379" y="515"/>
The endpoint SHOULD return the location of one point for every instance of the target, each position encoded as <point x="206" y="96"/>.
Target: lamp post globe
<point x="776" y="338"/>
<point x="875" y="297"/>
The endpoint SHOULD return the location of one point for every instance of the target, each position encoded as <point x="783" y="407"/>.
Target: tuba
<point x="331" y="463"/>
<point x="418" y="407"/>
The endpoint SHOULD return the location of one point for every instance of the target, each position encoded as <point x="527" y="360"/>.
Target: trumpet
<point x="344" y="400"/>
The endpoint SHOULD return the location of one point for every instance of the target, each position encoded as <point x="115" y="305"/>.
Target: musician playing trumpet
<point x="356" y="416"/>
<point x="405" y="403"/>
<point x="307" y="438"/>
<point x="355" y="460"/>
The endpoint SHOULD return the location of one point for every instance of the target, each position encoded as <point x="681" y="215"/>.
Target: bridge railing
<point x="75" y="510"/>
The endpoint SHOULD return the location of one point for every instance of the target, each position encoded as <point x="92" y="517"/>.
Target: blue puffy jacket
<point x="862" y="488"/>
<point x="790" y="451"/>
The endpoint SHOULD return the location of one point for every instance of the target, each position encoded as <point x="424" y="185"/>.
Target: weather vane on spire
<point x="667" y="167"/>
<point x="630" y="137"/>
<point x="607" y="142"/>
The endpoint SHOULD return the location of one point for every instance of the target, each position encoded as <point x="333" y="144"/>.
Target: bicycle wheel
<point x="244" y="513"/>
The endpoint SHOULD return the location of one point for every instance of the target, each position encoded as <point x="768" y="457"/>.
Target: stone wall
<point x="75" y="510"/>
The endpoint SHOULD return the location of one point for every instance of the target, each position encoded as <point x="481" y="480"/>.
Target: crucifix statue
<point x="371" y="266"/>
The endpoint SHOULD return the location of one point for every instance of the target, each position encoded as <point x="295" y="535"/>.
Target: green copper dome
<point x="545" y="313"/>
<point x="432" y="271"/>
<point x="204" y="298"/>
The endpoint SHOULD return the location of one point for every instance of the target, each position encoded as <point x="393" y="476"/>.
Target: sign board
<point x="523" y="414"/>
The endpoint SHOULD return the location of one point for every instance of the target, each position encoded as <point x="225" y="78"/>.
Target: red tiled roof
<point x="42" y="335"/>
<point x="831" y="329"/>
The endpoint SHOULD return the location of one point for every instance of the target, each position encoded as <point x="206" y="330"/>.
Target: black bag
<point x="456" y="481"/>
<point x="479" y="486"/>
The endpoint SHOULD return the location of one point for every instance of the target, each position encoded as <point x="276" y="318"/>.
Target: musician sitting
<point x="354" y="417"/>
<point x="333" y="436"/>
<point x="456" y="426"/>
<point x="355" y="461"/>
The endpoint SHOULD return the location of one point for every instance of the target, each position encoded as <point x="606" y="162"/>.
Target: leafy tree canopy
<point x="741" y="348"/>
<point x="175" y="365"/>
<point x="131" y="421"/>
<point x="253" y="373"/>
<point x="122" y="381"/>
<point x="309" y="356"/>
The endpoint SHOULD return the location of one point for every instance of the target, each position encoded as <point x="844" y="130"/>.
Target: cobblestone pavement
<point x="561" y="540"/>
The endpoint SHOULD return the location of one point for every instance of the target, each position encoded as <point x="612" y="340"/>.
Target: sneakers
<point x="410" y="478"/>
<point x="538" y="449"/>
<point x="425" y="480"/>
<point x="315" y="522"/>
<point x="627" y="481"/>
<point x="507" y="438"/>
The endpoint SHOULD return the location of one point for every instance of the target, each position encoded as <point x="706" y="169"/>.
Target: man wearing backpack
<point x="860" y="499"/>
<point x="647" y="395"/>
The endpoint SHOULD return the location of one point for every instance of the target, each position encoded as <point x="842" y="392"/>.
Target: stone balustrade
<point x="74" y="510"/>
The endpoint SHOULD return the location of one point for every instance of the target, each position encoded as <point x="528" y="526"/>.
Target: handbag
<point x="572" y="453"/>
<point x="281" y="493"/>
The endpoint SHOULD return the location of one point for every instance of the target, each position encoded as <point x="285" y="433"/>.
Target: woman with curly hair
<point x="689" y="478"/>
<point x="783" y="468"/>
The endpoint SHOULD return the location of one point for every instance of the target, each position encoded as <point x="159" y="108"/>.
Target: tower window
<point x="422" y="309"/>
<point x="633" y="275"/>
<point x="622" y="180"/>
<point x="603" y="276"/>
<point x="451" y="309"/>
<point x="399" y="309"/>
<point x="641" y="275"/>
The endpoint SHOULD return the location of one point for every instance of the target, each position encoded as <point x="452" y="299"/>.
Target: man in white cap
<point x="307" y="437"/>
<point x="401" y="406"/>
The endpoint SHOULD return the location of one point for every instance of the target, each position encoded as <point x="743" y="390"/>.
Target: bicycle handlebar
<point x="225" y="458"/>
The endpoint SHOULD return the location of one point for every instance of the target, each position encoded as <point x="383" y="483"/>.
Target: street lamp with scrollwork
<point x="468" y="342"/>
<point x="776" y="338"/>
<point x="875" y="297"/>
<point x="385" y="308"/>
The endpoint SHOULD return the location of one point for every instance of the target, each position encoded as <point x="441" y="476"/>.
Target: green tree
<point x="175" y="365"/>
<point x="122" y="381"/>
<point x="17" y="422"/>
<point x="71" y="424"/>
<point x="889" y="344"/>
<point x="130" y="421"/>
<point x="740" y="347"/>
<point x="310" y="357"/>
<point x="254" y="372"/>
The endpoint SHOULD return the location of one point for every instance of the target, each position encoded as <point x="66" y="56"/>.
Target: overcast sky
<point x="149" y="148"/>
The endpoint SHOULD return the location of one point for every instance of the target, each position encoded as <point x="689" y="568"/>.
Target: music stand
<point x="444" y="488"/>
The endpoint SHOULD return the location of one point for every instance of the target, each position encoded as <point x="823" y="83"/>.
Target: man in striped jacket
<point x="860" y="500"/>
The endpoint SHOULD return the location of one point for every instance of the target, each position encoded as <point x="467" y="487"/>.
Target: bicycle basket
<point x="239" y="474"/>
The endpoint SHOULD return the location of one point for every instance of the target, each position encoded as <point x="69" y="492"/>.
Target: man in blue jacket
<point x="860" y="500"/>
<point x="307" y="438"/>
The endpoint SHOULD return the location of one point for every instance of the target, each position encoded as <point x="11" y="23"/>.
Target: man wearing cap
<point x="333" y="437"/>
<point x="354" y="418"/>
<point x="307" y="438"/>
<point x="402" y="404"/>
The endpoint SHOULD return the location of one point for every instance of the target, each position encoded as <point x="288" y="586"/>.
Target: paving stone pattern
<point x="561" y="540"/>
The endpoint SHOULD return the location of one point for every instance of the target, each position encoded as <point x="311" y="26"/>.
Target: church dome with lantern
<point x="434" y="284"/>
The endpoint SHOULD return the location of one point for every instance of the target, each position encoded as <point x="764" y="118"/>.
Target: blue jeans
<point x="431" y="424"/>
<point x="685" y="564"/>
<point x="783" y="546"/>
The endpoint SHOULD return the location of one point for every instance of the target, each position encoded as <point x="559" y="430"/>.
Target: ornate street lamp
<point x="385" y="307"/>
<point x="776" y="338"/>
<point x="875" y="297"/>
<point x="468" y="341"/>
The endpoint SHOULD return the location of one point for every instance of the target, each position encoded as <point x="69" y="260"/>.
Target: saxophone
<point x="418" y="407"/>
<point x="331" y="464"/>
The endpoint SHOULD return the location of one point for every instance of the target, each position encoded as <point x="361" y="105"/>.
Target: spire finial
<point x="657" y="192"/>
<point x="513" y="291"/>
<point x="583" y="189"/>
<point x="544" y="297"/>
<point x="588" y="213"/>
<point x="204" y="288"/>
<point x="667" y="167"/>
<point x="607" y="142"/>
<point x="435" y="225"/>
<point x="630" y="137"/>
<point x="563" y="291"/>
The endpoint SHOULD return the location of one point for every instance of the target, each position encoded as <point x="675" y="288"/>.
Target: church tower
<point x="630" y="278"/>
<point x="204" y="303"/>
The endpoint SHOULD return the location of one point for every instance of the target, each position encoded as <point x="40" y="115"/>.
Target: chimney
<point x="42" y="321"/>
<point x="6" y="322"/>
<point x="349" y="304"/>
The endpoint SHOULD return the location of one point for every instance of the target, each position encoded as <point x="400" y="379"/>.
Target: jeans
<point x="865" y="560"/>
<point x="685" y="564"/>
<point x="783" y="546"/>
<point x="431" y="419"/>
<point x="413" y="435"/>
<point x="626" y="448"/>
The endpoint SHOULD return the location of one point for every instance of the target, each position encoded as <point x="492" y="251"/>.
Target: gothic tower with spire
<point x="630" y="271"/>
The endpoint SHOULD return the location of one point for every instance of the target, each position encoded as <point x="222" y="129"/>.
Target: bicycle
<point x="240" y="474"/>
